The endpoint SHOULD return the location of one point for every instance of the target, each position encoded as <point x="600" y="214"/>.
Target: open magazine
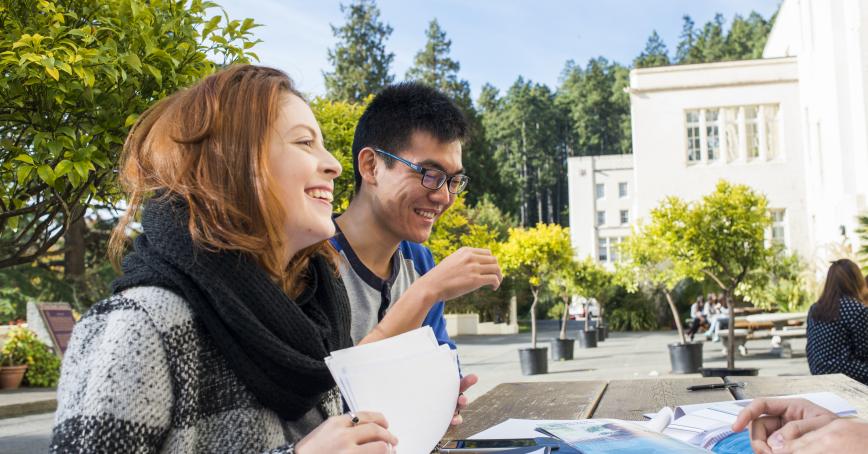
<point x="686" y="429"/>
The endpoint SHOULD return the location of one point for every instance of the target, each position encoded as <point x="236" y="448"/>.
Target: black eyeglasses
<point x="433" y="178"/>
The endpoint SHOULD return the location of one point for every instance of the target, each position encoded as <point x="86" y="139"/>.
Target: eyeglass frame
<point x="423" y="170"/>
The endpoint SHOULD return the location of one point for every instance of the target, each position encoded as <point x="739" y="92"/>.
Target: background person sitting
<point x="698" y="317"/>
<point x="838" y="324"/>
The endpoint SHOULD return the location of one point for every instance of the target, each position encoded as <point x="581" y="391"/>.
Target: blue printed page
<point x="608" y="436"/>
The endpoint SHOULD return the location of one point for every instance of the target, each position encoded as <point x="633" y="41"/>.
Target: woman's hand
<point x="776" y="422"/>
<point x="340" y="435"/>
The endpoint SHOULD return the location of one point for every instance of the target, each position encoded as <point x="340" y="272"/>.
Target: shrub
<point x="23" y="347"/>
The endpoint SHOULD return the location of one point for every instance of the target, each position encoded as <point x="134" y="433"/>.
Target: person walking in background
<point x="696" y="314"/>
<point x="838" y="324"/>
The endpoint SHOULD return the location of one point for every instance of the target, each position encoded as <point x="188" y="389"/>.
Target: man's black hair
<point x="397" y="112"/>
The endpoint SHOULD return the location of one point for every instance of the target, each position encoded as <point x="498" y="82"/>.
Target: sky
<point x="495" y="41"/>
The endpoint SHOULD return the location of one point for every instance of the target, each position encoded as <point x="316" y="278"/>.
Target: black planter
<point x="534" y="360"/>
<point x="726" y="372"/>
<point x="605" y="331"/>
<point x="588" y="339"/>
<point x="562" y="349"/>
<point x="686" y="358"/>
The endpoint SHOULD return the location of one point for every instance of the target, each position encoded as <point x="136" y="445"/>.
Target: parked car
<point x="578" y="306"/>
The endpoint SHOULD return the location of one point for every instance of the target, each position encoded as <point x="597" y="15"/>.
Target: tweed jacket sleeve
<point x="115" y="392"/>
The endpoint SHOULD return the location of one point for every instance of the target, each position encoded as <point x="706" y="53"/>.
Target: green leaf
<point x="156" y="73"/>
<point x="62" y="168"/>
<point x="132" y="60"/>
<point x="24" y="158"/>
<point x="131" y="120"/>
<point x="46" y="174"/>
<point x="82" y="167"/>
<point x="53" y="72"/>
<point x="22" y="173"/>
<point x="13" y="222"/>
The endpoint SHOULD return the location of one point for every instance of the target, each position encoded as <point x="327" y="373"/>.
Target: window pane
<point x="693" y="138"/>
<point x="600" y="190"/>
<point x="778" y="231"/>
<point x="601" y="217"/>
<point x="731" y="133"/>
<point x="751" y="131"/>
<point x="622" y="189"/>
<point x="613" y="248"/>
<point x="603" y="249"/>
<point x="625" y="217"/>
<point x="770" y="113"/>
<point x="712" y="134"/>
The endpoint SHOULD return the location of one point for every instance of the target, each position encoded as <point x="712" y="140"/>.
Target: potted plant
<point x="652" y="258"/>
<point x="564" y="286"/>
<point x="14" y="362"/>
<point x="534" y="255"/>
<point x="29" y="358"/>
<point x="588" y="334"/>
<point x="593" y="280"/>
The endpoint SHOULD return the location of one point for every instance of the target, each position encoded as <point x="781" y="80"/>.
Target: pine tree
<point x="360" y="61"/>
<point x="685" y="52"/>
<point x="710" y="42"/>
<point x="655" y="53"/>
<point x="435" y="68"/>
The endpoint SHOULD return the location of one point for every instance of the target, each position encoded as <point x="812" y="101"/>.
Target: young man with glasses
<point x="408" y="171"/>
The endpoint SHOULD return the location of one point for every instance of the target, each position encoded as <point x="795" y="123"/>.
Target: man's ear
<point x="368" y="166"/>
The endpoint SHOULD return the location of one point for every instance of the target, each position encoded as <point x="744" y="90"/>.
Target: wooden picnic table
<point x="630" y="399"/>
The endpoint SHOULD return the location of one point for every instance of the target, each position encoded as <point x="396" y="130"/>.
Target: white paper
<point x="515" y="429"/>
<point x="409" y="378"/>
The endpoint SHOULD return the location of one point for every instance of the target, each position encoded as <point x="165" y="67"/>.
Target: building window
<point x="603" y="249"/>
<point x="712" y="133"/>
<point x="779" y="234"/>
<point x="694" y="142"/>
<point x="622" y="189"/>
<point x="601" y="218"/>
<point x="625" y="217"/>
<point x="600" y="190"/>
<point x="730" y="128"/>
<point x="770" y="117"/>
<point x="751" y="130"/>
<point x="613" y="249"/>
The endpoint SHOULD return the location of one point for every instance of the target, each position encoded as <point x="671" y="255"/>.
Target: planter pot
<point x="588" y="339"/>
<point x="562" y="349"/>
<point x="605" y="331"/>
<point x="726" y="372"/>
<point x="11" y="376"/>
<point x="602" y="333"/>
<point x="686" y="358"/>
<point x="534" y="360"/>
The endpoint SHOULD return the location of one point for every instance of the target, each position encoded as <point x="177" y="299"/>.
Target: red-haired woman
<point x="214" y="338"/>
<point x="838" y="324"/>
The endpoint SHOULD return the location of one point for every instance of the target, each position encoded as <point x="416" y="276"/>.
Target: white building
<point x="791" y="125"/>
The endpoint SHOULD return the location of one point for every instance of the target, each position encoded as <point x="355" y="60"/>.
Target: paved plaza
<point x="495" y="360"/>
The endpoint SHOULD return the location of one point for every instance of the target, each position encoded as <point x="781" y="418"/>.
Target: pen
<point x="716" y="386"/>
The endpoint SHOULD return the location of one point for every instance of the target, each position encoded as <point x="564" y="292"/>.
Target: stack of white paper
<point x="409" y="378"/>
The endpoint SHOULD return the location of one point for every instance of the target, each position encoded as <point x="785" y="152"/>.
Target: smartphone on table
<point x="489" y="446"/>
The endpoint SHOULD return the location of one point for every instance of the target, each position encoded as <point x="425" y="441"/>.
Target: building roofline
<point x="716" y="65"/>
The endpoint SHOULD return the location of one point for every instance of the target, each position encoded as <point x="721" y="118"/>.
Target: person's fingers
<point x="757" y="408"/>
<point x="367" y="433"/>
<point x="802" y="445"/>
<point x="377" y="447"/>
<point x="795" y="429"/>
<point x="467" y="381"/>
<point x="760" y="429"/>
<point x="484" y="258"/>
<point x="372" y="417"/>
<point x="456" y="420"/>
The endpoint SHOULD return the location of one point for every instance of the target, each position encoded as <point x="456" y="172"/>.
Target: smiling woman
<point x="216" y="334"/>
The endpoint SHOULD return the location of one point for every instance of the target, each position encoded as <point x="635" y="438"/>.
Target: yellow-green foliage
<point x="455" y="229"/>
<point x="23" y="347"/>
<point x="536" y="254"/>
<point x="338" y="120"/>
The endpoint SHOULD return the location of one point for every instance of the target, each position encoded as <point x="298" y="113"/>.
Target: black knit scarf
<point x="275" y="345"/>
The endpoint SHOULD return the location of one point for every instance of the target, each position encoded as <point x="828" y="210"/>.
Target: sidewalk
<point x="27" y="401"/>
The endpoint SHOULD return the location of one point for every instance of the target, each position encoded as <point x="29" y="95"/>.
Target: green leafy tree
<point x="563" y="284"/>
<point x="783" y="282"/>
<point x="75" y="77"/>
<point x="593" y="281"/>
<point x="653" y="256"/>
<point x="360" y="61"/>
<point x="747" y="37"/>
<point x="535" y="255"/>
<point x="655" y="53"/>
<point x="725" y="233"/>
<point x="338" y="120"/>
<point x="434" y="67"/>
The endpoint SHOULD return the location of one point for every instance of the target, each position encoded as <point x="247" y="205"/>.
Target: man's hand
<point x="775" y="422"/>
<point x="466" y="270"/>
<point x="466" y="382"/>
<point x="840" y="436"/>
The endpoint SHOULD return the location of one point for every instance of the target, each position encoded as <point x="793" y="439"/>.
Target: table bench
<point x="630" y="399"/>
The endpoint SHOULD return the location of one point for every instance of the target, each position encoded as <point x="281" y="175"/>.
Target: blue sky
<point x="494" y="40"/>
